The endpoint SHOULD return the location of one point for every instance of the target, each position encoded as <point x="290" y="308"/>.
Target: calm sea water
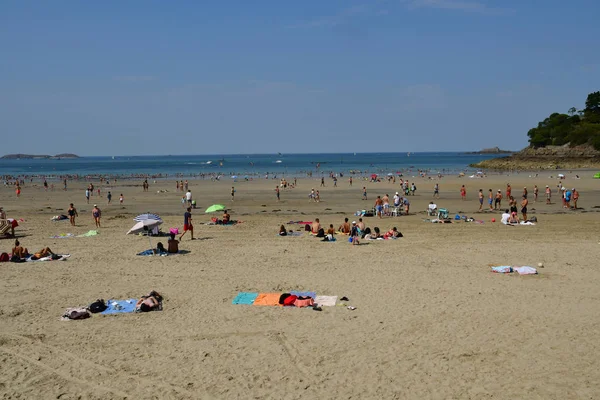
<point x="241" y="164"/>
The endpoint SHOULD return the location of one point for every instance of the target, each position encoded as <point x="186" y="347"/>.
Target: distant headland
<point x="38" y="157"/>
<point x="491" y="150"/>
<point x="561" y="141"/>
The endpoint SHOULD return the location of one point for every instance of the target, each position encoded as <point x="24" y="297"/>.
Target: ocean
<point x="242" y="165"/>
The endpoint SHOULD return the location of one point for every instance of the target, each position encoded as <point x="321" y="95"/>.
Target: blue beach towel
<point x="150" y="252"/>
<point x="304" y="294"/>
<point x="245" y="298"/>
<point x="121" y="306"/>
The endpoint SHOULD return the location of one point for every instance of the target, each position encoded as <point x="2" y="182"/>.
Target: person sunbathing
<point x="393" y="233"/>
<point x="19" y="250"/>
<point x="345" y="227"/>
<point x="149" y="302"/>
<point x="514" y="218"/>
<point x="173" y="244"/>
<point x="282" y="231"/>
<point x="316" y="226"/>
<point x="226" y="217"/>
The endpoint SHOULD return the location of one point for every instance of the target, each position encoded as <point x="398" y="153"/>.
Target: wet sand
<point x="431" y="321"/>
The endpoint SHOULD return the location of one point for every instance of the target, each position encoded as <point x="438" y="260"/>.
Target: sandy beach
<point x="431" y="319"/>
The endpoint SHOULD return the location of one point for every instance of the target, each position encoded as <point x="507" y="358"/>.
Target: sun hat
<point x="353" y="222"/>
<point x="95" y="205"/>
<point x="396" y="192"/>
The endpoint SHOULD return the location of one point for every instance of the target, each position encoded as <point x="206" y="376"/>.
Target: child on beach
<point x="121" y="199"/>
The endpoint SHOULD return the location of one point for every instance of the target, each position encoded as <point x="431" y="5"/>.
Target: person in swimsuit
<point x="575" y="198"/>
<point x="508" y="190"/>
<point x="97" y="214"/>
<point x="524" y="203"/>
<point x="316" y="226"/>
<point x="364" y="195"/>
<point x="149" y="302"/>
<point x="354" y="234"/>
<point x="345" y="227"/>
<point x="379" y="206"/>
<point x="187" y="223"/>
<point x="225" y="218"/>
<point x="548" y="194"/>
<point x="513" y="205"/>
<point x="19" y="250"/>
<point x="498" y="200"/>
<point x="72" y="212"/>
<point x="480" y="194"/>
<point x="535" y="193"/>
<point x="173" y="245"/>
<point x="282" y="231"/>
<point x="514" y="218"/>
<point x="463" y="192"/>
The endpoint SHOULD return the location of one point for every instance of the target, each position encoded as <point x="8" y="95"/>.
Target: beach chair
<point x="396" y="211"/>
<point x="5" y="226"/>
<point x="443" y="213"/>
<point x="432" y="211"/>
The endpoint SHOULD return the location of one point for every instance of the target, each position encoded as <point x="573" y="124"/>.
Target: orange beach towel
<point x="267" y="299"/>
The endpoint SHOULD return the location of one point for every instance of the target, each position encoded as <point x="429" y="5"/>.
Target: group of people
<point x="21" y="253"/>
<point x="355" y="230"/>
<point x="382" y="205"/>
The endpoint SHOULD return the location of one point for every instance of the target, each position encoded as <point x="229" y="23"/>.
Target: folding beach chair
<point x="443" y="213"/>
<point x="5" y="226"/>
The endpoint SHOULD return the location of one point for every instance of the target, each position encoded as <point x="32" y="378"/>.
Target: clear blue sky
<point x="199" y="77"/>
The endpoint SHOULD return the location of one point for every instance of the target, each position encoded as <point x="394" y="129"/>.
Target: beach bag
<point x="98" y="306"/>
<point x="4" y="257"/>
<point x="307" y="228"/>
<point x="290" y="300"/>
<point x="77" y="314"/>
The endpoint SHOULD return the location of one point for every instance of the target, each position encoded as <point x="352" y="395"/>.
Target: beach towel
<point x="75" y="313"/>
<point x="304" y="294"/>
<point x="63" y="236"/>
<point x="61" y="257"/>
<point x="504" y="269"/>
<point x="59" y="218"/>
<point x="326" y="301"/>
<point x="526" y="223"/>
<point x="89" y="233"/>
<point x="120" y="306"/>
<point x="150" y="252"/>
<point x="296" y="234"/>
<point x="267" y="299"/>
<point x="245" y="298"/>
<point x="525" y="270"/>
<point x="300" y="222"/>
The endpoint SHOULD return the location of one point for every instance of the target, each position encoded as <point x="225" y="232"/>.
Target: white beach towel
<point x="327" y="301"/>
<point x="525" y="270"/>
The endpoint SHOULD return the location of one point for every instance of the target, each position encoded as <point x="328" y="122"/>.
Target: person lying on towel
<point x="149" y="303"/>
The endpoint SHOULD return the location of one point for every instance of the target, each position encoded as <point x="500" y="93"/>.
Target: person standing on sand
<point x="364" y="196"/>
<point x="436" y="191"/>
<point x="524" y="203"/>
<point x="72" y="212"/>
<point x="322" y="182"/>
<point x="96" y="214"/>
<point x="87" y="195"/>
<point x="525" y="191"/>
<point x="18" y="191"/>
<point x="232" y="193"/>
<point x="121" y="198"/>
<point x="463" y="193"/>
<point x="508" y="190"/>
<point x="498" y="200"/>
<point x="109" y="197"/>
<point x="386" y="204"/>
<point x="65" y="184"/>
<point x="480" y="194"/>
<point x="379" y="206"/>
<point x="350" y="181"/>
<point x="535" y="193"/>
<point x="188" y="197"/>
<point x="187" y="223"/>
<point x="548" y="194"/>
<point x="317" y="197"/>
<point x="575" y="198"/>
<point x="354" y="234"/>
<point x="277" y="192"/>
<point x="490" y="199"/>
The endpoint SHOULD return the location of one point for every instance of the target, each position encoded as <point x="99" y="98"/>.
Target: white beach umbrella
<point x="147" y="224"/>
<point x="147" y="216"/>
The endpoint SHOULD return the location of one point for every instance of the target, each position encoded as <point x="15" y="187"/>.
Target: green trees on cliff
<point x="576" y="127"/>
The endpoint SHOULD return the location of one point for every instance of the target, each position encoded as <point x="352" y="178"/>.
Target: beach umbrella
<point x="373" y="176"/>
<point x="234" y="177"/>
<point x="597" y="176"/>
<point x="145" y="225"/>
<point x="215" y="207"/>
<point x="147" y="216"/>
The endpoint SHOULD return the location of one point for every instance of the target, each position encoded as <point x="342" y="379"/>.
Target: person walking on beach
<point x="525" y="191"/>
<point x="187" y="223"/>
<point x="436" y="191"/>
<point x="188" y="197"/>
<point x="121" y="198"/>
<point x="548" y="194"/>
<point x="508" y="190"/>
<point x="350" y="181"/>
<point x="87" y="195"/>
<point x="277" y="193"/>
<point x="364" y="195"/>
<point x="109" y="197"/>
<point x="18" y="191"/>
<point x="463" y="193"/>
<point x="480" y="199"/>
<point x="65" y="184"/>
<point x="232" y="193"/>
<point x="535" y="193"/>
<point x="524" y="203"/>
<point x="96" y="214"/>
<point x="322" y="182"/>
<point x="317" y="197"/>
<point x="45" y="185"/>
<point x="413" y="188"/>
<point x="72" y="212"/>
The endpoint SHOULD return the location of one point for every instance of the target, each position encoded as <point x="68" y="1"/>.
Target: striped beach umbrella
<point x="147" y="216"/>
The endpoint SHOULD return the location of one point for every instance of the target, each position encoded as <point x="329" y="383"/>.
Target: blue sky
<point x="198" y="77"/>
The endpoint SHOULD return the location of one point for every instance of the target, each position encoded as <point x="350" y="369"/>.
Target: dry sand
<point x="431" y="321"/>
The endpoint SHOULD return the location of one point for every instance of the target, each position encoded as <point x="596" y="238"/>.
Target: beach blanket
<point x="245" y="298"/>
<point x="525" y="270"/>
<point x="304" y="294"/>
<point x="326" y="301"/>
<point x="267" y="299"/>
<point x="89" y="233"/>
<point x="61" y="257"/>
<point x="150" y="252"/>
<point x="59" y="218"/>
<point x="504" y="269"/>
<point x="300" y="222"/>
<point x="120" y="306"/>
<point x="526" y="223"/>
<point x="63" y="236"/>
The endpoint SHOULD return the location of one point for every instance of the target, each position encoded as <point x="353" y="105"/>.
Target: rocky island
<point x="561" y="141"/>
<point x="38" y="157"/>
<point x="491" y="150"/>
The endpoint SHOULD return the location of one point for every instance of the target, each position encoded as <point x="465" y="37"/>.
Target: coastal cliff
<point x="549" y="157"/>
<point x="42" y="157"/>
<point x="491" y="150"/>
